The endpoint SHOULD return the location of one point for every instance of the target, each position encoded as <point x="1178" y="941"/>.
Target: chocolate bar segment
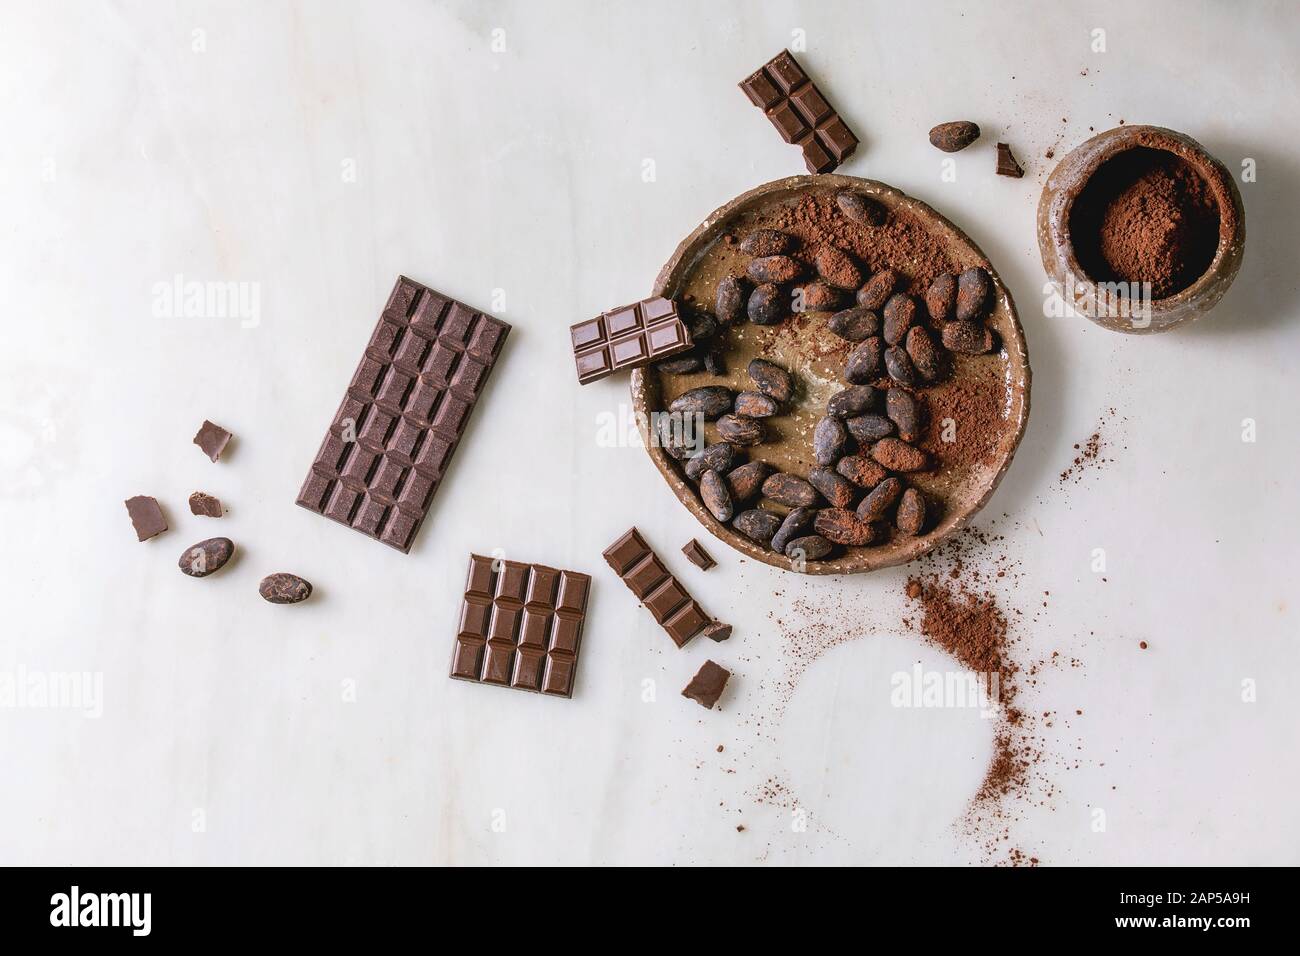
<point x="696" y="554"/>
<point x="520" y="626"/>
<point x="794" y="105"/>
<point x="628" y="337"/>
<point x="385" y="453"/>
<point x="641" y="570"/>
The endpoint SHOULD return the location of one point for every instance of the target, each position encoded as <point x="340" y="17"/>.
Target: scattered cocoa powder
<point x="1146" y="216"/>
<point x="1088" y="453"/>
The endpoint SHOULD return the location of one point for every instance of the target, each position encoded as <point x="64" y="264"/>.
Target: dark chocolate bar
<point x="521" y="626"/>
<point x="393" y="436"/>
<point x="707" y="685"/>
<point x="628" y="337"/>
<point x="782" y="90"/>
<point x="642" y="571"/>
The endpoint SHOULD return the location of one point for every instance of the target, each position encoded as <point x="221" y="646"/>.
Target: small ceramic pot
<point x="1096" y="299"/>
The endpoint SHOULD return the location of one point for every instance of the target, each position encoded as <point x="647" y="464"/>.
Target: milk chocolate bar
<point x="520" y="626"/>
<point x="628" y="337"/>
<point x="386" y="451"/>
<point x="794" y="105"/>
<point x="641" y="570"/>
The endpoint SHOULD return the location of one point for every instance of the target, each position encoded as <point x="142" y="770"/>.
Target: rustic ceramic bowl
<point x="801" y="346"/>
<point x="1082" y="291"/>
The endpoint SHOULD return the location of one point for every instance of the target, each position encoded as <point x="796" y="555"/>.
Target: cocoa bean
<point x="862" y="471"/>
<point x="835" y="266"/>
<point x="817" y="296"/>
<point x="207" y="556"/>
<point x="714" y="363"/>
<point x="711" y="401"/>
<point x="941" y="296"/>
<point x="911" y="512"/>
<point x="767" y="306"/>
<point x="283" y="588"/>
<point x="729" y="303"/>
<point x="755" y="405"/>
<point x="740" y="430"/>
<point x="796" y="523"/>
<point x="716" y="497"/>
<point x="772" y="380"/>
<point x="757" y="525"/>
<point x="905" y="411"/>
<point x="863" y="211"/>
<point x="899" y="365"/>
<point x="834" y="487"/>
<point x="670" y="434"/>
<point x="876" y="505"/>
<point x="830" y="441"/>
<point x="897" y="455"/>
<point x="855" y="324"/>
<point x="682" y="364"/>
<point x="863" y="365"/>
<point x="720" y="456"/>
<point x="811" y="547"/>
<point x="702" y="326"/>
<point x="899" y="315"/>
<point x="869" y="428"/>
<point x="746" y="481"/>
<point x="877" y="290"/>
<point x="925" y="357"/>
<point x="774" y="269"/>
<point x="851" y="401"/>
<point x="767" y="242"/>
<point x="969" y="338"/>
<point x="790" y="490"/>
<point x="955" y="136"/>
<point x="844" y="527"/>
<point x="973" y="288"/>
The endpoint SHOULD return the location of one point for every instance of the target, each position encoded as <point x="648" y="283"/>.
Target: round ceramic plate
<point x="975" y="417"/>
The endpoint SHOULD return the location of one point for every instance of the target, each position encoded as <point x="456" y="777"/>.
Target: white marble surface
<point x="213" y="141"/>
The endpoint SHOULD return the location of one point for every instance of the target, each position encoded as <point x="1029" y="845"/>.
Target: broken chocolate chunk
<point x="212" y="439"/>
<point x="706" y="686"/>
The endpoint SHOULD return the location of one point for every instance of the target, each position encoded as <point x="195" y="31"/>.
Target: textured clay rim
<point x="1077" y="167"/>
<point x="1016" y="374"/>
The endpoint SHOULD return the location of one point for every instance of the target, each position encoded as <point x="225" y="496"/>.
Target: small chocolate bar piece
<point x="521" y="626"/>
<point x="717" y="631"/>
<point x="706" y="686"/>
<point x="628" y="337"/>
<point x="385" y="453"/>
<point x="782" y="90"/>
<point x="212" y="439"/>
<point x="1007" y="165"/>
<point x="146" y="516"/>
<point x="206" y="505"/>
<point x="642" y="571"/>
<point x="696" y="554"/>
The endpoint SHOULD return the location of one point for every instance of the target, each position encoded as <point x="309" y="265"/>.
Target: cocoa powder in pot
<point x="1146" y="216"/>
